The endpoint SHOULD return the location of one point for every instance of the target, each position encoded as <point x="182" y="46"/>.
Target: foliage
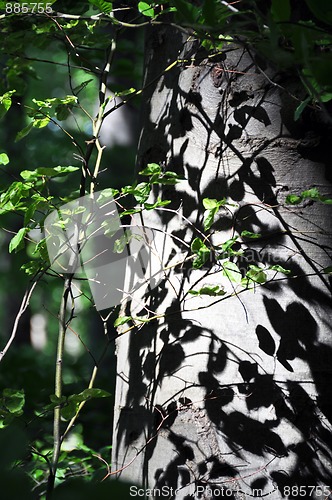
<point x="66" y="129"/>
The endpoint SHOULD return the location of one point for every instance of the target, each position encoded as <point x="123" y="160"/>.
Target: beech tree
<point x="227" y="393"/>
<point x="223" y="358"/>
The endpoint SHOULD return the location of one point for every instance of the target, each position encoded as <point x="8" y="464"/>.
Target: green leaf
<point x="4" y="160"/>
<point x="158" y="203"/>
<point x="327" y="270"/>
<point x="17" y="242"/>
<point x="208" y="218"/>
<point x="186" y="11"/>
<point x="107" y="195"/>
<point x="142" y="192"/>
<point x="121" y="243"/>
<point x="30" y="268"/>
<point x="41" y="122"/>
<point x="125" y="92"/>
<point x="47" y="172"/>
<point x="211" y="203"/>
<point x="301" y="107"/>
<point x="227" y="249"/>
<point x="62" y="112"/>
<point x="312" y="194"/>
<point x="14" y="400"/>
<point x="211" y="290"/>
<point x="102" y="5"/>
<point x="5" y="102"/>
<point x="327" y="201"/>
<point x="145" y="9"/>
<point x="94" y="393"/>
<point x="24" y="132"/>
<point x="121" y="320"/>
<point x="293" y="199"/>
<point x="232" y="272"/>
<point x="202" y="252"/>
<point x="58" y="401"/>
<point x="69" y="410"/>
<point x="250" y="235"/>
<point x="167" y="178"/>
<point x="152" y="168"/>
<point x="256" y="274"/>
<point x="280" y="269"/>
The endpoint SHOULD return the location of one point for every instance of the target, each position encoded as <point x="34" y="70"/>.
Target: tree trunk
<point x="230" y="395"/>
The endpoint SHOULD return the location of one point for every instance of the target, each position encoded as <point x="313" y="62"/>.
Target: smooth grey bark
<point x="229" y="396"/>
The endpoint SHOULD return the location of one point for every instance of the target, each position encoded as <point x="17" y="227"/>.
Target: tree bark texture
<point x="230" y="395"/>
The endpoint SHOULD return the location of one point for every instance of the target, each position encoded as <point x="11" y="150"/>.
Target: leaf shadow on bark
<point x="220" y="440"/>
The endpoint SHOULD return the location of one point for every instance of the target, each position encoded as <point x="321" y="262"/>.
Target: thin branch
<point x="24" y="306"/>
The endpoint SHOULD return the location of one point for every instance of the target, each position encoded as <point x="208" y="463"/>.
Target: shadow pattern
<point x="230" y="397"/>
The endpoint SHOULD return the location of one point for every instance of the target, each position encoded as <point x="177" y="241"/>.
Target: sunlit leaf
<point x="250" y="235"/>
<point x="17" y="242"/>
<point x="211" y="290"/>
<point x="145" y="9"/>
<point x="150" y="169"/>
<point x="4" y="160"/>
<point x="280" y="269"/>
<point x="232" y="272"/>
<point x="121" y="320"/>
<point x="5" y="102"/>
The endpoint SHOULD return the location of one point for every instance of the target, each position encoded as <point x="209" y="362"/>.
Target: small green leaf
<point x="232" y="272"/>
<point x="4" y="160"/>
<point x="141" y="192"/>
<point x="121" y="243"/>
<point x="327" y="270"/>
<point x="227" y="248"/>
<point x="145" y="9"/>
<point x="208" y="218"/>
<point x="167" y="178"/>
<point x="152" y="168"/>
<point x="55" y="399"/>
<point x="17" y="242"/>
<point x="47" y="172"/>
<point x="196" y="245"/>
<point x="158" y="203"/>
<point x="102" y="5"/>
<point x="14" y="400"/>
<point x="301" y="107"/>
<point x="95" y="393"/>
<point x="293" y="199"/>
<point x="41" y="122"/>
<point x="250" y="235"/>
<point x="69" y="410"/>
<point x="62" y="112"/>
<point x="32" y="267"/>
<point x="202" y="252"/>
<point x="121" y="320"/>
<point x="312" y="194"/>
<point x="210" y="204"/>
<point x="211" y="290"/>
<point x="327" y="201"/>
<point x="24" y="132"/>
<point x="125" y="92"/>
<point x="280" y="269"/>
<point x="107" y="195"/>
<point x="256" y="274"/>
<point x="5" y="102"/>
